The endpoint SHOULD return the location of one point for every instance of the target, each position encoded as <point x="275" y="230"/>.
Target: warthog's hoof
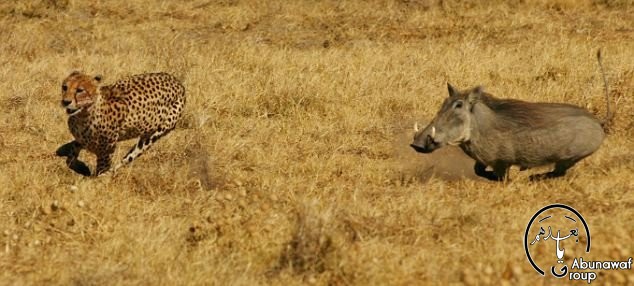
<point x="480" y="170"/>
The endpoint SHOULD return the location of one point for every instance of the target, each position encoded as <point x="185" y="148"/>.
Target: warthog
<point x="499" y="133"/>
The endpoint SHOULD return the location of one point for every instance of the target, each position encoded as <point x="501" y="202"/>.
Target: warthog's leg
<point x="481" y="170"/>
<point x="498" y="173"/>
<point x="560" y="169"/>
<point x="71" y="151"/>
<point x="144" y="143"/>
<point x="501" y="170"/>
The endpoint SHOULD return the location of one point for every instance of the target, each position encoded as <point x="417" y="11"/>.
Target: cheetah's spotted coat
<point x="145" y="106"/>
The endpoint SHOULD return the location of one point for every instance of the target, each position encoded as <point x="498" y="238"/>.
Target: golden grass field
<point x="291" y="165"/>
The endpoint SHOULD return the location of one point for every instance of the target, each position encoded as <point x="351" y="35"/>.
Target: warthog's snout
<point x="420" y="149"/>
<point x="424" y="139"/>
<point x="428" y="146"/>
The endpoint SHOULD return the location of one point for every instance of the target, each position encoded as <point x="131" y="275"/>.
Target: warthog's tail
<point x="609" y="116"/>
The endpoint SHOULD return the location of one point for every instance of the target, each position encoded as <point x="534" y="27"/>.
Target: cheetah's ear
<point x="75" y="72"/>
<point x="98" y="78"/>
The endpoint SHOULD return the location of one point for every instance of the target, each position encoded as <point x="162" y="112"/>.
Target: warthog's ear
<point x="98" y="78"/>
<point x="475" y="95"/>
<point x="452" y="90"/>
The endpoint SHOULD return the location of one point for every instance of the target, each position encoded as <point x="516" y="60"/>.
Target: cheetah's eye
<point x="64" y="88"/>
<point x="80" y="90"/>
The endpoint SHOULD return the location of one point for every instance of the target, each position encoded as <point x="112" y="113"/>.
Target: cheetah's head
<point x="79" y="92"/>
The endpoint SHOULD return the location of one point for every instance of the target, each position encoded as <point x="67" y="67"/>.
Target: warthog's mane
<point x="529" y="114"/>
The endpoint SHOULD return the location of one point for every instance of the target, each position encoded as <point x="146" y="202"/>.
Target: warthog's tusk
<point x="433" y="132"/>
<point x="416" y="127"/>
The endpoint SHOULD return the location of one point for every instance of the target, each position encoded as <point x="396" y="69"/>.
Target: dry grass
<point x="291" y="165"/>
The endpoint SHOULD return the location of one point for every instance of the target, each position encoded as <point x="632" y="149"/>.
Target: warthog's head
<point x="452" y="124"/>
<point x="78" y="92"/>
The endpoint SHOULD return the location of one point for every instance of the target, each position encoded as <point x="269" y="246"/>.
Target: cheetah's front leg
<point x="71" y="151"/>
<point x="104" y="158"/>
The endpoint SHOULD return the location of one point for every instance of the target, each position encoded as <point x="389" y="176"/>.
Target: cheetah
<point x="145" y="106"/>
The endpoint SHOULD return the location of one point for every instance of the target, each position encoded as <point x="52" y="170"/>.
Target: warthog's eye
<point x="64" y="87"/>
<point x="458" y="104"/>
<point x="80" y="90"/>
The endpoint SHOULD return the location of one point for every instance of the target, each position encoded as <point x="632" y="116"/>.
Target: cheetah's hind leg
<point x="144" y="143"/>
<point x="71" y="151"/>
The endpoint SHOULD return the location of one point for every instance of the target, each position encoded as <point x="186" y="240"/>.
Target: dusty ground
<point x="292" y="164"/>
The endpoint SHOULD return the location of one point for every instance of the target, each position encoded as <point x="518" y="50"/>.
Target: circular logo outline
<point x="528" y="226"/>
